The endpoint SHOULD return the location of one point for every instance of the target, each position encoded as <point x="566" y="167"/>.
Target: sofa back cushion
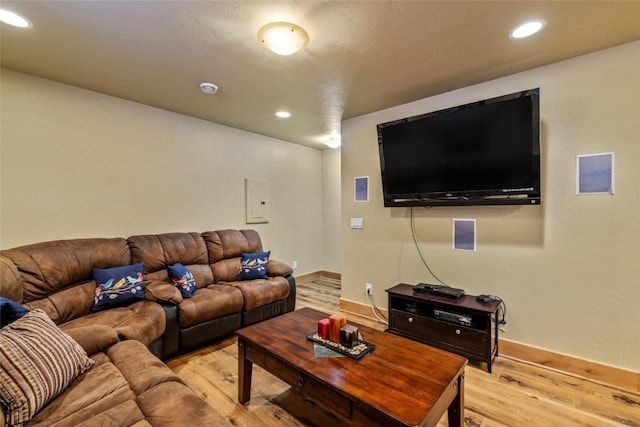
<point x="10" y="280"/>
<point x="57" y="276"/>
<point x="225" y="249"/>
<point x="159" y="251"/>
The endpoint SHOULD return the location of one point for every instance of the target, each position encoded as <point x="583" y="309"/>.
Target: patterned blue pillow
<point x="10" y="311"/>
<point x="254" y="266"/>
<point x="183" y="279"/>
<point x="118" y="286"/>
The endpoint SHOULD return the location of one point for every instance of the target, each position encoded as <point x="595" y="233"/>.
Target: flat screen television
<point x="482" y="153"/>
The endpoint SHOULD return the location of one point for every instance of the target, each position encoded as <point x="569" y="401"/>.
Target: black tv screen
<point x="486" y="152"/>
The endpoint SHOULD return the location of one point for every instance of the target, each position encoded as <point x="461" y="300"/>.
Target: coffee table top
<point x="403" y="379"/>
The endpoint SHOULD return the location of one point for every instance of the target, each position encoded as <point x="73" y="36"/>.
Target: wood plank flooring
<point x="515" y="394"/>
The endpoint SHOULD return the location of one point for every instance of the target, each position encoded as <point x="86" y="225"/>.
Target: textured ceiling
<point x="363" y="56"/>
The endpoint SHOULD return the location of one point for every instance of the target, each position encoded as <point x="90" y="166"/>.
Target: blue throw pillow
<point x="10" y="311"/>
<point x="183" y="279"/>
<point x="118" y="286"/>
<point x="254" y="266"/>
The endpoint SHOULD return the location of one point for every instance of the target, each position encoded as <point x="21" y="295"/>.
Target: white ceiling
<point x="363" y="56"/>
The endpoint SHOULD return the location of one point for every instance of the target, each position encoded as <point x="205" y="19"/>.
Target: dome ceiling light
<point x="527" y="29"/>
<point x="14" y="19"/>
<point x="283" y="38"/>
<point x="283" y="114"/>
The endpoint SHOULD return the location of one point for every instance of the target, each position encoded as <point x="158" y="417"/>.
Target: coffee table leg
<point x="245" y="368"/>
<point x="456" y="409"/>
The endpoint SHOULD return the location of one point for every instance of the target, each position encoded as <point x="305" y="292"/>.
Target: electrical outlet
<point x="368" y="289"/>
<point x="295" y="265"/>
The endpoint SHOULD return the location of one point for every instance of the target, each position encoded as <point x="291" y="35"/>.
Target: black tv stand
<point x="463" y="326"/>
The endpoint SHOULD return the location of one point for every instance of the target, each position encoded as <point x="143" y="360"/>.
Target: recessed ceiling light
<point x="527" y="29"/>
<point x="14" y="19"/>
<point x="283" y="38"/>
<point x="333" y="142"/>
<point x="283" y="114"/>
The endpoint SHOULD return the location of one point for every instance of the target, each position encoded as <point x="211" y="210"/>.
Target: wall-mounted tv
<point x="482" y="153"/>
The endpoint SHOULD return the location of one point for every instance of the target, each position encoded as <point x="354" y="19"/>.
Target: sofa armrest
<point x="278" y="268"/>
<point x="162" y="292"/>
<point x="94" y="338"/>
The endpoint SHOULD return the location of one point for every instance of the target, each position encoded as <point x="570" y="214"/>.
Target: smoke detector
<point x="208" y="88"/>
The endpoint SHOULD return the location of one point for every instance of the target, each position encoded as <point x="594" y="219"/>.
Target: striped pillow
<point x="37" y="362"/>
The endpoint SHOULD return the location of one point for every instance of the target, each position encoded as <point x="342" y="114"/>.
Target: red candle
<point x="323" y="328"/>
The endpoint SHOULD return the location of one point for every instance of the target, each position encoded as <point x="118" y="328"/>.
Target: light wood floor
<point x="515" y="394"/>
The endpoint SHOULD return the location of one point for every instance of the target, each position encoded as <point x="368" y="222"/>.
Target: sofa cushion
<point x="210" y="303"/>
<point x="254" y="266"/>
<point x="259" y="292"/>
<point x="158" y="251"/>
<point x="186" y="408"/>
<point x="162" y="292"/>
<point x="96" y="393"/>
<point x="118" y="286"/>
<point x="182" y="279"/>
<point x="10" y="279"/>
<point x="67" y="304"/>
<point x="121" y="373"/>
<point x="128" y="386"/>
<point x="37" y="362"/>
<point x="278" y="268"/>
<point x="10" y="311"/>
<point x="226" y="270"/>
<point x="93" y="338"/>
<point x="142" y="369"/>
<point x="225" y="244"/>
<point x="143" y="321"/>
<point x="127" y="413"/>
<point x="48" y="267"/>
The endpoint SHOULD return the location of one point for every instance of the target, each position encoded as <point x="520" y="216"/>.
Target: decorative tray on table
<point x="358" y="351"/>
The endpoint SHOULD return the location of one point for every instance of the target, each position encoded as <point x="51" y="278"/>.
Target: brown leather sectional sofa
<point x="57" y="278"/>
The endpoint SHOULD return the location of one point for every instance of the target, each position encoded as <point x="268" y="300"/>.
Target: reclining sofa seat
<point x="212" y="312"/>
<point x="57" y="277"/>
<point x="263" y="298"/>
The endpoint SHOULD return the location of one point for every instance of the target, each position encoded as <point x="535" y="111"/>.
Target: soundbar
<point x="440" y="290"/>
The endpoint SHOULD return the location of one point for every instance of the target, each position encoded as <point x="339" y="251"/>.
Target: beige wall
<point x="331" y="212"/>
<point x="569" y="270"/>
<point x="75" y="163"/>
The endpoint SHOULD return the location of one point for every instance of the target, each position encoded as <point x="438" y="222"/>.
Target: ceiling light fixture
<point x="283" y="114"/>
<point x="527" y="29"/>
<point x="14" y="19"/>
<point x="208" y="88"/>
<point x="333" y="142"/>
<point x="283" y="38"/>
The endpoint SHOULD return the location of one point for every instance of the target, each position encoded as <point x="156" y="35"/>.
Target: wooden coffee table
<point x="401" y="383"/>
